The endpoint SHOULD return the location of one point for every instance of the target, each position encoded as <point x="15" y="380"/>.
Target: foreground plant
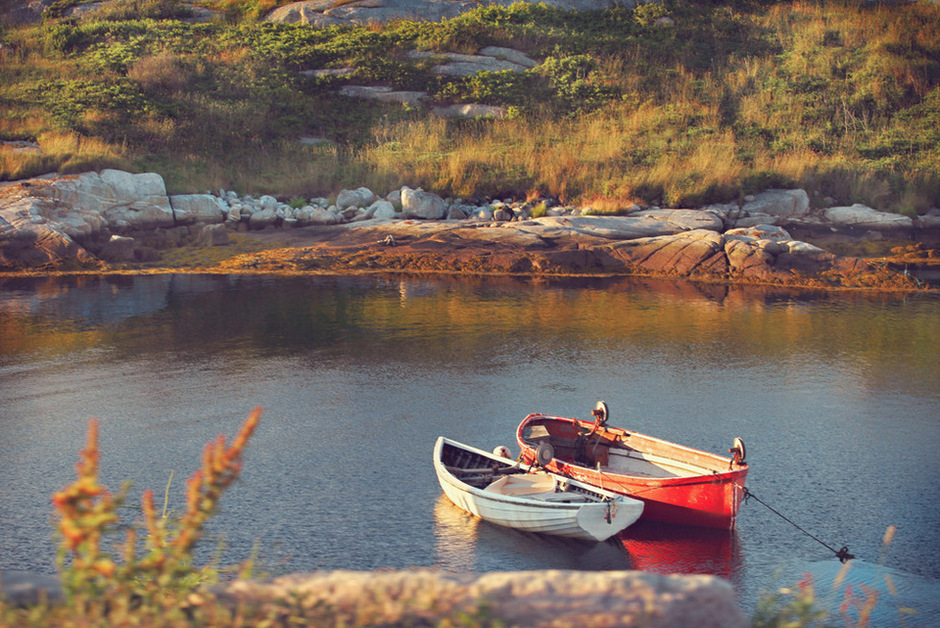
<point x="99" y="585"/>
<point x="801" y="606"/>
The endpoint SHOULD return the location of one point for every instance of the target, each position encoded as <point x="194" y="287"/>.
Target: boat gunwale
<point x="605" y="495"/>
<point x="735" y="469"/>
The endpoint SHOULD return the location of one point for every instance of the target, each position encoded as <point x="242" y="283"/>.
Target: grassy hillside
<point x="724" y="99"/>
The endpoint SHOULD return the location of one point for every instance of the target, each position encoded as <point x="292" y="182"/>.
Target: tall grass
<point x="63" y="151"/>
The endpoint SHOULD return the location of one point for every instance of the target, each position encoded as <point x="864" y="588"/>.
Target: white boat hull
<point x="546" y="512"/>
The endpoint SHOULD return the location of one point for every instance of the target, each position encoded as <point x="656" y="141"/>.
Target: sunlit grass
<point x="842" y="99"/>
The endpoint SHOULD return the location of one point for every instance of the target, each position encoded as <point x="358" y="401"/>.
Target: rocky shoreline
<point x="118" y="221"/>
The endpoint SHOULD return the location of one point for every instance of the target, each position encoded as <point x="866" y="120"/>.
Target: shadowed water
<point x="836" y="395"/>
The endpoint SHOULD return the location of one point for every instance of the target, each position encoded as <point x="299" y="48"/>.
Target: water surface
<point x="836" y="395"/>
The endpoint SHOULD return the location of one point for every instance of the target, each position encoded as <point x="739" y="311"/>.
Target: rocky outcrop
<point x="684" y="218"/>
<point x="322" y="13"/>
<point x="752" y="254"/>
<point x="608" y="227"/>
<point x="360" y="197"/>
<point x="197" y="209"/>
<point x="421" y="204"/>
<point x="778" y="203"/>
<point x="563" y="246"/>
<point x="859" y="216"/>
<point x="116" y="217"/>
<point x="126" y="202"/>
<point x="75" y="221"/>
<point x="489" y="59"/>
<point x="771" y="207"/>
<point x="689" y="253"/>
<point x="28" y="239"/>
<point x="33" y="11"/>
<point x="382" y="93"/>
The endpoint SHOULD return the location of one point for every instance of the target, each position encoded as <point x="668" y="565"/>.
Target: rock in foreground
<point x="534" y="598"/>
<point x="423" y="597"/>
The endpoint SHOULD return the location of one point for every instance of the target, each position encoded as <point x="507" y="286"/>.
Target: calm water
<point x="836" y="395"/>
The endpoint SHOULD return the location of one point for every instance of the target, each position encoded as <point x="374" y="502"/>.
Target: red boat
<point x="678" y="484"/>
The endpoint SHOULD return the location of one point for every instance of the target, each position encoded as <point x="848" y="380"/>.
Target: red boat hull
<point x="709" y="499"/>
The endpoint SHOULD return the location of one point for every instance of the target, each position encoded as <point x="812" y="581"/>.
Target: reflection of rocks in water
<point x="412" y="288"/>
<point x="91" y="301"/>
<point x="84" y="301"/>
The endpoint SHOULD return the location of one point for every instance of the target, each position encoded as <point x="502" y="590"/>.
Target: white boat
<point x="508" y="493"/>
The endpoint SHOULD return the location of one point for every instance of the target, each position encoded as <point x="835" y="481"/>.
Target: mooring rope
<point x="842" y="553"/>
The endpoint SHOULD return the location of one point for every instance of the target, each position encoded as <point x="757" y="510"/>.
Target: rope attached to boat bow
<point x="842" y="553"/>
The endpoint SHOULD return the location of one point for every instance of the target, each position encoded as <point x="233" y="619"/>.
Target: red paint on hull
<point x="709" y="499"/>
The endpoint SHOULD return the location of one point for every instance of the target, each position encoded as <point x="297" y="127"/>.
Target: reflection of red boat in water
<point x="678" y="484"/>
<point x="671" y="549"/>
<point x="466" y="543"/>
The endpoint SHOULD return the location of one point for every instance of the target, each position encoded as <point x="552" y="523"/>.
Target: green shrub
<point x="69" y="102"/>
<point x="62" y="37"/>
<point x="647" y="14"/>
<point x="505" y="87"/>
<point x="571" y="80"/>
<point x="101" y="585"/>
<point x="144" y="9"/>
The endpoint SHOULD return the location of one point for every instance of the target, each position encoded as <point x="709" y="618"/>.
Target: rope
<point x="842" y="553"/>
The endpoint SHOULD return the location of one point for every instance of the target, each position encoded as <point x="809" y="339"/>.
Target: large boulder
<point x="930" y="220"/>
<point x="262" y="219"/>
<point x="198" y="209"/>
<point x="118" y="249"/>
<point x="785" y="203"/>
<point x="361" y="197"/>
<point x="212" y="235"/>
<point x="30" y="234"/>
<point x="700" y="251"/>
<point x="748" y="258"/>
<point x="509" y="54"/>
<point x="316" y="215"/>
<point x="382" y="93"/>
<point x="860" y="216"/>
<point x="145" y="190"/>
<point x="685" y="218"/>
<point x="382" y="210"/>
<point x="761" y="232"/>
<point x="609" y="227"/>
<point x="421" y="204"/>
<point x="127" y="202"/>
<point x="457" y="64"/>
